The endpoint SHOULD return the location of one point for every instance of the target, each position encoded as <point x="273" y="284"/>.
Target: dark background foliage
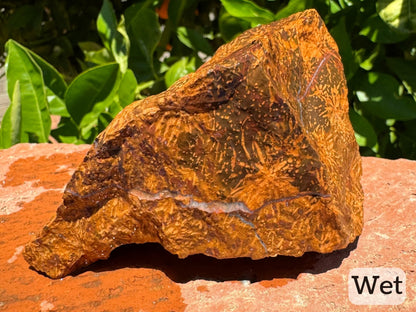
<point x="149" y="44"/>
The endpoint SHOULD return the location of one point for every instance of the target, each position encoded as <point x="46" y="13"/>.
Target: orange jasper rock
<point x="253" y="155"/>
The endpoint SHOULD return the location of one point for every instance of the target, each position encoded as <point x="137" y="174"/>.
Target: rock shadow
<point x="154" y="256"/>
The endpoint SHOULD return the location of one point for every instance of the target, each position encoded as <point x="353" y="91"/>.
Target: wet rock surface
<point x="251" y="156"/>
<point x="148" y="278"/>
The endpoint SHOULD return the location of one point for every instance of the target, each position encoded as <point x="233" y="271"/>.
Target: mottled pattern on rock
<point x="147" y="278"/>
<point x="251" y="156"/>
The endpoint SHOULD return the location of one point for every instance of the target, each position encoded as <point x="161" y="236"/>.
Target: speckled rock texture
<point x="148" y="278"/>
<point x="251" y="156"/>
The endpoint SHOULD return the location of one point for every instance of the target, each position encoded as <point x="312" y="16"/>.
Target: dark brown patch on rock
<point x="251" y="156"/>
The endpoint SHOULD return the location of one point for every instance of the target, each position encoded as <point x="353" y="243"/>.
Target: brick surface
<point x="147" y="278"/>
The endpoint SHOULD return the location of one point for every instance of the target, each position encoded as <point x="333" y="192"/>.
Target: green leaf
<point x="143" y="87"/>
<point x="35" y="120"/>
<point x="56" y="104"/>
<point x="340" y="34"/>
<point x="333" y="7"/>
<point x="248" y="11"/>
<point x="406" y="71"/>
<point x="144" y="30"/>
<point x="368" y="61"/>
<point x="55" y="85"/>
<point x="66" y="132"/>
<point x="11" y="126"/>
<point x="90" y="88"/>
<point x="114" y="36"/>
<point x="90" y="123"/>
<point x="364" y="132"/>
<point x="379" y="95"/>
<point x="377" y="31"/>
<point x="292" y="7"/>
<point x="103" y="121"/>
<point x="399" y="14"/>
<point x="95" y="53"/>
<point x="194" y="40"/>
<point x="126" y="92"/>
<point x="107" y="24"/>
<point x="121" y="46"/>
<point x="179" y="69"/>
<point x="231" y="26"/>
<point x="99" y="57"/>
<point x="131" y="11"/>
<point x="51" y="77"/>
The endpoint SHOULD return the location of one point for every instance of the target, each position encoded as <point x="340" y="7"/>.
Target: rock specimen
<point x="253" y="155"/>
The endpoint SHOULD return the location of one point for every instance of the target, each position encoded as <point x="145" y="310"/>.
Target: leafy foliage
<point x="28" y="116"/>
<point x="139" y="48"/>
